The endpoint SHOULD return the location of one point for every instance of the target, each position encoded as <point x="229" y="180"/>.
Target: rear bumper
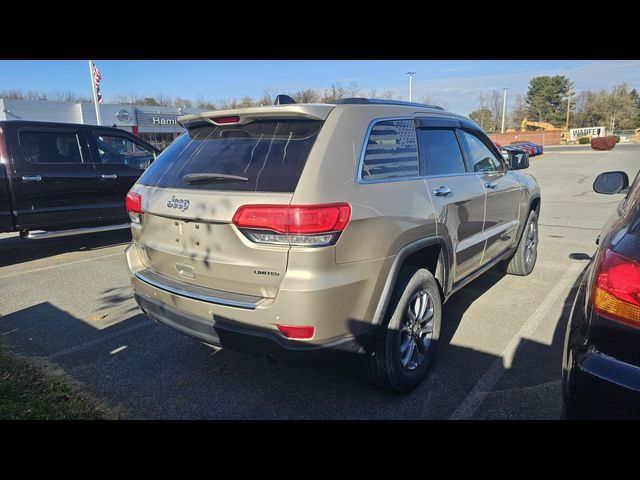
<point x="599" y="386"/>
<point x="337" y="300"/>
<point x="235" y="336"/>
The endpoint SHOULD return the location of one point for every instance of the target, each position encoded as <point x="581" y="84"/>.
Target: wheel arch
<point x="432" y="253"/>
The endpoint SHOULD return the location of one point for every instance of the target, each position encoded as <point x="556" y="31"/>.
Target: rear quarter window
<point x="271" y="154"/>
<point x="391" y="151"/>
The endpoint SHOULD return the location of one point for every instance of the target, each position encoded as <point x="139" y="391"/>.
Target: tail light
<point x="302" y="225"/>
<point x="133" y="205"/>
<point x="616" y="294"/>
<point x="295" y="331"/>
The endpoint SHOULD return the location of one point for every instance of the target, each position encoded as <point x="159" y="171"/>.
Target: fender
<point x="530" y="201"/>
<point x="401" y="256"/>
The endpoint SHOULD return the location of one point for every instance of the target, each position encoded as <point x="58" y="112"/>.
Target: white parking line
<point x="474" y="399"/>
<point x="22" y="272"/>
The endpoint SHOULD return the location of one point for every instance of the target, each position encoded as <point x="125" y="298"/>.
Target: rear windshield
<point x="269" y="153"/>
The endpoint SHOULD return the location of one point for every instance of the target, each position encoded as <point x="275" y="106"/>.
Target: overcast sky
<point x="454" y="83"/>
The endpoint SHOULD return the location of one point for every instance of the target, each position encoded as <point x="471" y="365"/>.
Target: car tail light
<point x="616" y="293"/>
<point x="299" y="225"/>
<point x="296" y="331"/>
<point x="133" y="205"/>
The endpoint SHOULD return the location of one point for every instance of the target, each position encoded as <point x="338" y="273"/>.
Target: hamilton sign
<point x="152" y="119"/>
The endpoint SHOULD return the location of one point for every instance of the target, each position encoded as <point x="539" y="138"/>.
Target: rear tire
<point x="524" y="259"/>
<point x="405" y="346"/>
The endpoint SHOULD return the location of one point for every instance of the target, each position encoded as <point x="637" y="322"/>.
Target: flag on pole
<point x="97" y="76"/>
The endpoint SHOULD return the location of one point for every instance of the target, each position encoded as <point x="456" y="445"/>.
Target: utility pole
<point x="411" y="74"/>
<point x="504" y="108"/>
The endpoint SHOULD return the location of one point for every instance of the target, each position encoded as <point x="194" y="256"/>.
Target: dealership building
<point x="157" y="125"/>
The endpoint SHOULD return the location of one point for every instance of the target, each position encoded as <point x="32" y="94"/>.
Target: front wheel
<point x="406" y="343"/>
<point x="524" y="259"/>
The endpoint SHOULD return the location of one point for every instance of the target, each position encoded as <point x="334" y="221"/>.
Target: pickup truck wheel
<point x="524" y="259"/>
<point x="406" y="343"/>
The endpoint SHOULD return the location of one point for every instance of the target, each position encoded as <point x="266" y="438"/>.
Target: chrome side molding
<point x="75" y="231"/>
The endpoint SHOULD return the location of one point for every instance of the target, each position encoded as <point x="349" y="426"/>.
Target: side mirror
<point x="611" y="182"/>
<point x="518" y="161"/>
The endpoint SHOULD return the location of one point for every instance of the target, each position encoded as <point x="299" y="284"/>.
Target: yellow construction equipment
<point x="541" y="125"/>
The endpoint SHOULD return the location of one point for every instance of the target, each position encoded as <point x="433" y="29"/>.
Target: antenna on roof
<point x="283" y="100"/>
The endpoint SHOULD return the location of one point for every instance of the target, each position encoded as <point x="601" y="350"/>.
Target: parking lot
<point x="69" y="301"/>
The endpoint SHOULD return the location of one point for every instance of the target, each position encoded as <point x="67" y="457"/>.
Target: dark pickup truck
<point x="67" y="179"/>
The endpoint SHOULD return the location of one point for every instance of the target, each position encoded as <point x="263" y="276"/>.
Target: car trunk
<point x="192" y="191"/>
<point x="200" y="246"/>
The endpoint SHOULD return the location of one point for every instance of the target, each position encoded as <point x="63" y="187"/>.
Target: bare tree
<point x="56" y="96"/>
<point x="163" y="100"/>
<point x="128" y="98"/>
<point x="246" y="102"/>
<point x="335" y="92"/>
<point x="519" y="112"/>
<point x="482" y="109"/>
<point x="203" y="102"/>
<point x="352" y="89"/>
<point x="306" y="96"/>
<point x="495" y="105"/>
<point x="182" y="103"/>
<point x="269" y="95"/>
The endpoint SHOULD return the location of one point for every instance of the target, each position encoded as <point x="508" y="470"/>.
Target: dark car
<point x="67" y="178"/>
<point x="601" y="362"/>
<point x="532" y="148"/>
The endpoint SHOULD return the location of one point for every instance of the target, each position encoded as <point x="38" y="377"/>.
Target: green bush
<point x="617" y="137"/>
<point x="584" y="140"/>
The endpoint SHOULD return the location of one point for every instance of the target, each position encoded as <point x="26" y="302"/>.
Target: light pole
<point x="411" y="74"/>
<point x="504" y="108"/>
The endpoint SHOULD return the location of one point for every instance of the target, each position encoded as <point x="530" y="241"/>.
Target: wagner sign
<point x="576" y="133"/>
<point x="151" y="119"/>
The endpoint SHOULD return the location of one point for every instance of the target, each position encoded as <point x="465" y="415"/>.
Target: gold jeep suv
<point x="294" y="230"/>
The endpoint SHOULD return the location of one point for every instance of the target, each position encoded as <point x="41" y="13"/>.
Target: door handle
<point x="108" y="176"/>
<point x="31" y="178"/>
<point x="491" y="184"/>
<point x="442" y="192"/>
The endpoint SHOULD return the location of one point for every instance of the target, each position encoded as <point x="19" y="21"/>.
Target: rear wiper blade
<point x="213" y="177"/>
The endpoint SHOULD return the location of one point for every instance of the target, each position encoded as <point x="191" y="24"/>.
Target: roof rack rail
<point x="362" y="100"/>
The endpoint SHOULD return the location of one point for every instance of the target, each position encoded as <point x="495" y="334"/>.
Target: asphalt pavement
<point x="69" y="301"/>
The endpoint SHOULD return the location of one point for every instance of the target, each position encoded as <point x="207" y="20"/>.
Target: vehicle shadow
<point x="146" y="370"/>
<point x="15" y="250"/>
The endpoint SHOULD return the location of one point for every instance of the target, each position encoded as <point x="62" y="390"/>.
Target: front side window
<point x="391" y="151"/>
<point x="117" y="149"/>
<point x="49" y="147"/>
<point x="441" y="152"/>
<point x="481" y="158"/>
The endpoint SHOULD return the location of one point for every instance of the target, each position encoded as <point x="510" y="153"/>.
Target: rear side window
<point x="441" y="152"/>
<point x="270" y="154"/>
<point x="49" y="147"/>
<point x="391" y="151"/>
<point x="119" y="149"/>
